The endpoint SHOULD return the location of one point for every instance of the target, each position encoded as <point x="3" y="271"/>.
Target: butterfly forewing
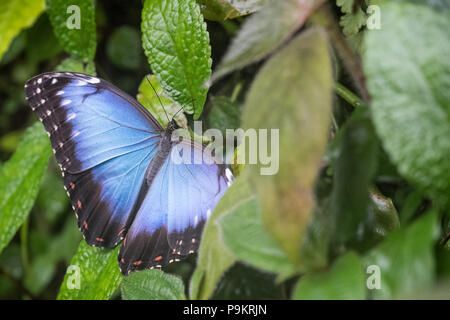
<point x="103" y="144"/>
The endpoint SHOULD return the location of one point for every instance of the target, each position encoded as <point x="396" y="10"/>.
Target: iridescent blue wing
<point x="103" y="141"/>
<point x="169" y="224"/>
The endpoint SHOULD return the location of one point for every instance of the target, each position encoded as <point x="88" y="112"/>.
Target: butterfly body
<point x="164" y="148"/>
<point x="116" y="161"/>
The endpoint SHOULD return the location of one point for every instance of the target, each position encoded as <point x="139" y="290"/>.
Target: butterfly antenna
<point x="177" y="112"/>
<point x="193" y="106"/>
<point x="182" y="109"/>
<point x="160" y="102"/>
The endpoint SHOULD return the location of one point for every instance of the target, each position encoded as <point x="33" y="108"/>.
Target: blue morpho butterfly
<point x="118" y="171"/>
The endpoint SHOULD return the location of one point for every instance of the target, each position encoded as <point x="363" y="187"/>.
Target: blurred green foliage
<point x="363" y="181"/>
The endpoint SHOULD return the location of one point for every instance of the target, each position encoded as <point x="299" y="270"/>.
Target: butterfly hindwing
<point x="104" y="197"/>
<point x="145" y="244"/>
<point x="196" y="183"/>
<point x="169" y="224"/>
<point x="103" y="141"/>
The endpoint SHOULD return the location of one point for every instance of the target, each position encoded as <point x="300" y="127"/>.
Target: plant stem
<point x="236" y="91"/>
<point x="348" y="96"/>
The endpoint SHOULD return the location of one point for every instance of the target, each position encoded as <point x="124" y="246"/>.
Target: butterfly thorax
<point x="164" y="147"/>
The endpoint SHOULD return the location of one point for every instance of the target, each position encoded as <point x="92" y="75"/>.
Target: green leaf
<point x="66" y="243"/>
<point x="47" y="251"/>
<point x="176" y="43"/>
<point x="440" y="291"/>
<point x="214" y="257"/>
<point x="220" y="10"/>
<point x="74" y="65"/>
<point x="258" y="37"/>
<point x="304" y="115"/>
<point x="124" y="48"/>
<point x="384" y="213"/>
<point x="11" y="261"/>
<point x="346" y="5"/>
<point x="41" y="42"/>
<point x="354" y="17"/>
<point x="93" y="274"/>
<point x="353" y="171"/>
<point x="40" y="274"/>
<point x="9" y="141"/>
<point x="152" y="285"/>
<point x="410" y="206"/>
<point x="247" y="6"/>
<point x="315" y="248"/>
<point x="345" y="280"/>
<point x="243" y="282"/>
<point x="436" y="4"/>
<point x="243" y="233"/>
<point x="149" y="99"/>
<point x="195" y="283"/>
<point x="352" y="22"/>
<point x="217" y="10"/>
<point x="16" y="15"/>
<point x="409" y="79"/>
<point x="20" y="178"/>
<point x="15" y="48"/>
<point x="77" y="39"/>
<point x="443" y="261"/>
<point x="405" y="259"/>
<point x="52" y="199"/>
<point x="224" y="114"/>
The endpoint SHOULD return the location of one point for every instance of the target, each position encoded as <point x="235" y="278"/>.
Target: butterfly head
<point x="172" y="126"/>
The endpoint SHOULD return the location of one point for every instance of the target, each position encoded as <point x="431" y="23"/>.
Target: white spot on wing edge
<point x="66" y="102"/>
<point x="93" y="80"/>
<point x="71" y="116"/>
